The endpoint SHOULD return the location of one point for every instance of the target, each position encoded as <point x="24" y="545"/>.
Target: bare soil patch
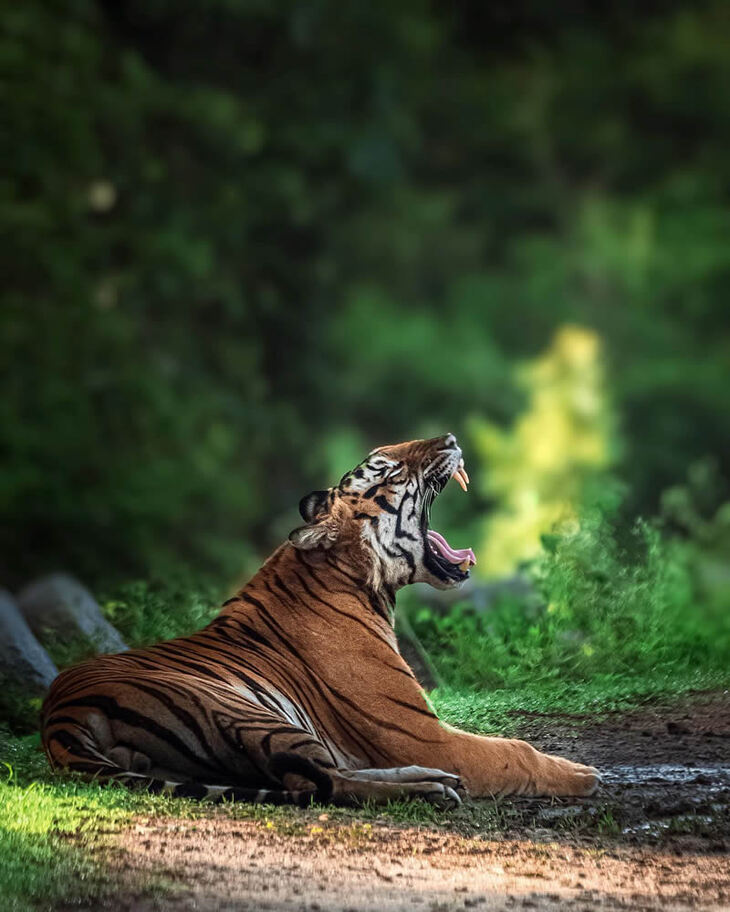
<point x="665" y="769"/>
<point x="656" y="836"/>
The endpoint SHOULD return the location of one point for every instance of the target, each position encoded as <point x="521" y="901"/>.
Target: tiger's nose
<point x="450" y="440"/>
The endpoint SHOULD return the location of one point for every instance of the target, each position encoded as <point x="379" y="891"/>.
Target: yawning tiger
<point x="297" y="691"/>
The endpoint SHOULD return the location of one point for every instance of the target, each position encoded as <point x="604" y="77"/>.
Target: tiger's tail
<point x="280" y="765"/>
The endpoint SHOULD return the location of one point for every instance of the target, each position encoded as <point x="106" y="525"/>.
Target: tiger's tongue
<point x="453" y="555"/>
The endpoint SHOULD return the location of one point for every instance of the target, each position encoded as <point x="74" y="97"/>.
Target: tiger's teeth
<point x="459" y="476"/>
<point x="464" y="565"/>
<point x="462" y="471"/>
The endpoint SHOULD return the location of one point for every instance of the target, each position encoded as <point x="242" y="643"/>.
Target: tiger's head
<point x="377" y="518"/>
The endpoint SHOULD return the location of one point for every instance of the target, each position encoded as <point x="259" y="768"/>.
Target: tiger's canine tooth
<point x="459" y="476"/>
<point x="464" y="565"/>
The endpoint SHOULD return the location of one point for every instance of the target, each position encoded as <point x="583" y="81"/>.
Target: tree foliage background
<point x="246" y="241"/>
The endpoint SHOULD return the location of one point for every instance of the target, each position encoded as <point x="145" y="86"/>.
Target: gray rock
<point x="25" y="666"/>
<point x="58" y="606"/>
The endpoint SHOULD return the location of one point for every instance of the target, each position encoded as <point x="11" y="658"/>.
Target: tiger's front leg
<point x="499" y="766"/>
<point x="496" y="766"/>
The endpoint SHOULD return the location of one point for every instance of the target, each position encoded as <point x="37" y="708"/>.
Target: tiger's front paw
<point x="575" y="779"/>
<point x="587" y="780"/>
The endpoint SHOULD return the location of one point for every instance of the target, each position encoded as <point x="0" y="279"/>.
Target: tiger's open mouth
<point x="448" y="564"/>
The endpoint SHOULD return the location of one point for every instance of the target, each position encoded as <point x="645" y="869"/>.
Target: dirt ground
<point x="656" y="836"/>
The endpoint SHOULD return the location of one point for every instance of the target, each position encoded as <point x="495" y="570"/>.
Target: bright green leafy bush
<point x="602" y="607"/>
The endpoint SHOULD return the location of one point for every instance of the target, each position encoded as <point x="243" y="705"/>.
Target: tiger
<point x="296" y="692"/>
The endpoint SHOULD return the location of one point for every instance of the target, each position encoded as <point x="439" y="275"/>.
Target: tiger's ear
<point x="322" y="534"/>
<point x="313" y="504"/>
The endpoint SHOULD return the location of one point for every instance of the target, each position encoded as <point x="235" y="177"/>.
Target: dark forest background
<point x="244" y="242"/>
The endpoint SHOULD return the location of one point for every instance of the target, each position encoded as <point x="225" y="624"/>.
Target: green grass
<point x="502" y="711"/>
<point x="613" y="620"/>
<point x="54" y="832"/>
<point x="39" y="863"/>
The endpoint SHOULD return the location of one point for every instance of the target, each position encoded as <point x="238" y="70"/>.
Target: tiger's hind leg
<point x="84" y="748"/>
<point x="349" y="786"/>
<point x="404" y="783"/>
<point x="254" y="754"/>
<point x="354" y="787"/>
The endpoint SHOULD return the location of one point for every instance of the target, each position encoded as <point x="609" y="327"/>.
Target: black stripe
<point x="180" y="713"/>
<point x="422" y="710"/>
<point x="384" y="505"/>
<point x="136" y="719"/>
<point x="284" y="588"/>
<point x="280" y="730"/>
<point x="74" y="745"/>
<point x="191" y="790"/>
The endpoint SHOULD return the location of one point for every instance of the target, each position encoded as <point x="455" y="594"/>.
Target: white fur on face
<point x="396" y="541"/>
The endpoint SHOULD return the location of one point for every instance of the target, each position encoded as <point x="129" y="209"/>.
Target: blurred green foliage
<point x="630" y="612"/>
<point x="243" y="240"/>
<point x="145" y="613"/>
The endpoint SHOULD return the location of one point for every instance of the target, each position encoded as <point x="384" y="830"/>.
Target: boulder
<point x="58" y="608"/>
<point x="25" y="666"/>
